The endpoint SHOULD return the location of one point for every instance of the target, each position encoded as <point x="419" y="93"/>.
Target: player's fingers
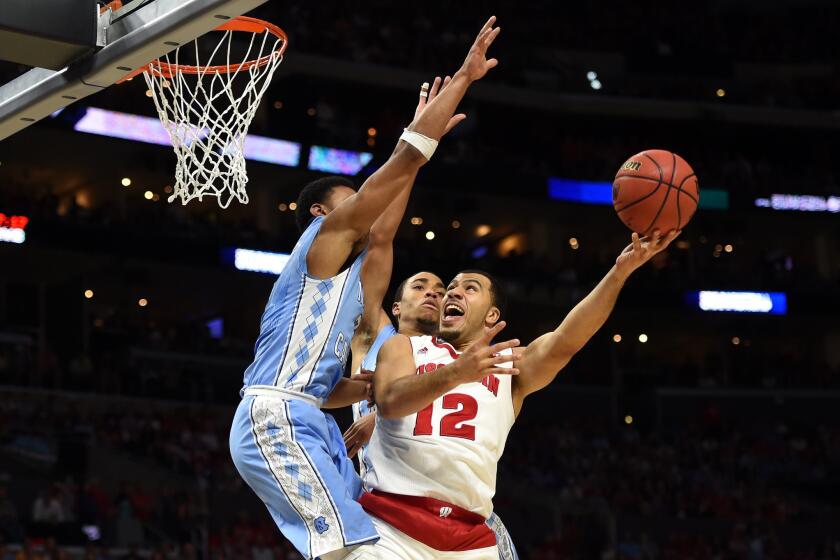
<point x="421" y="102"/>
<point x="498" y="347"/>
<point x="488" y="40"/>
<point x="497" y="359"/>
<point x="501" y="371"/>
<point x="637" y="244"/>
<point x="490" y="333"/>
<point x="446" y="81"/>
<point x="454" y="121"/>
<point x="487" y="25"/>
<point x="481" y="42"/>
<point x="435" y="88"/>
<point x="424" y="95"/>
<point x="492" y="63"/>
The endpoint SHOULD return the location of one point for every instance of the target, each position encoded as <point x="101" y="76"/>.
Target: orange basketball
<point x="655" y="189"/>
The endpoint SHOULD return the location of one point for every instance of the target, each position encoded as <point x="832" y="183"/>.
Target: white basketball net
<point x="208" y="121"/>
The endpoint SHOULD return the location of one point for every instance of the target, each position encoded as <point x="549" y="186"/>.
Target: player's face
<point x="467" y="307"/>
<point x="421" y="299"/>
<point x="337" y="196"/>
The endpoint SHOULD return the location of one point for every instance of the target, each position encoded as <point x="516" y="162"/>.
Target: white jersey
<point x="449" y="450"/>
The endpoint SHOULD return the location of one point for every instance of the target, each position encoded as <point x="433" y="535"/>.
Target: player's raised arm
<point x="546" y="356"/>
<point x="353" y="218"/>
<point x="379" y="261"/>
<point x="399" y="392"/>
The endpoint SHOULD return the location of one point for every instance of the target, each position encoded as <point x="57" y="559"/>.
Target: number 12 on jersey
<point x="453" y="424"/>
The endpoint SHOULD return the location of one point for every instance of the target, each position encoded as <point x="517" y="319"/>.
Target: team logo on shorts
<point x="321" y="525"/>
<point x="445" y="511"/>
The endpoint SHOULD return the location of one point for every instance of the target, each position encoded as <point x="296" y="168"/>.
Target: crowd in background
<point x="762" y="477"/>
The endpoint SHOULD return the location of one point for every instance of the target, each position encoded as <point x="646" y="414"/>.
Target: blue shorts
<point x="293" y="456"/>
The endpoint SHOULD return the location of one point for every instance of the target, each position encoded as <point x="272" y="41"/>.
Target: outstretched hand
<point x="641" y="250"/>
<point x="476" y="65"/>
<point x="481" y="358"/>
<point x="427" y="95"/>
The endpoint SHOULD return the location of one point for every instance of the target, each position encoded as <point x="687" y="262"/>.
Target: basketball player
<point x="416" y="307"/>
<point x="445" y="407"/>
<point x="286" y="449"/>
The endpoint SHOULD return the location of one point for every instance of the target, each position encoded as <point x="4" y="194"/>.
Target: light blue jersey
<point x="369" y="363"/>
<point x="307" y="325"/>
<point x="287" y="450"/>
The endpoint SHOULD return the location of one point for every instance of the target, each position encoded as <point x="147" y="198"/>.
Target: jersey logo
<point x="423" y="350"/>
<point x="445" y="511"/>
<point x="321" y="525"/>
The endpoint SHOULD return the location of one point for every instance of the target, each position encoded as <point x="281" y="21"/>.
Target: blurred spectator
<point x="47" y="507"/>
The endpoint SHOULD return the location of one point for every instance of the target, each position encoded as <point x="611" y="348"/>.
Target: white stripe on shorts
<point x="272" y="428"/>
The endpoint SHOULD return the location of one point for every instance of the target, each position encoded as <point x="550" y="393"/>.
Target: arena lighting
<point x="9" y="235"/>
<point x="800" y="203"/>
<point x="272" y="150"/>
<point x="333" y="160"/>
<point x="259" y="261"/>
<point x="479" y="252"/>
<point x="151" y="131"/>
<point x="12" y="228"/>
<point x="600" y="193"/>
<point x="774" y="303"/>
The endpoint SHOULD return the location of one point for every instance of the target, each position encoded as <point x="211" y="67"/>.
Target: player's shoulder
<point x="421" y="339"/>
<point x="397" y="343"/>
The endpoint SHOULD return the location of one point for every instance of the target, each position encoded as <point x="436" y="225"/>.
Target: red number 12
<point x="465" y="408"/>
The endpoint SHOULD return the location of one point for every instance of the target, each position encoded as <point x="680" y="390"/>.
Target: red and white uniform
<point x="446" y="455"/>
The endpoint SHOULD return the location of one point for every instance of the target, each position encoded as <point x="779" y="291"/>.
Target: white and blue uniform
<point x="287" y="450"/>
<point x="507" y="551"/>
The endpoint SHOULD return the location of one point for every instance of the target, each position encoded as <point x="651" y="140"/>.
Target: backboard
<point x="129" y="38"/>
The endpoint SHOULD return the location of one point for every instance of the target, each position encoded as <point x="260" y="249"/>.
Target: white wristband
<point x="423" y="143"/>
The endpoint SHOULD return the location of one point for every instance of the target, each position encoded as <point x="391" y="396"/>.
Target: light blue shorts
<point x="293" y="456"/>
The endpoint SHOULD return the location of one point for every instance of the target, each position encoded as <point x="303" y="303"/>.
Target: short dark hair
<point x="398" y="293"/>
<point x="496" y="289"/>
<point x="317" y="192"/>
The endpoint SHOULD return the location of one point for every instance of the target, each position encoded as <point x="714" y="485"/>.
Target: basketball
<point x="655" y="189"/>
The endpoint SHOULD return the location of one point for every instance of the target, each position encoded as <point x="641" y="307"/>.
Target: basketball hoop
<point x="207" y="107"/>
